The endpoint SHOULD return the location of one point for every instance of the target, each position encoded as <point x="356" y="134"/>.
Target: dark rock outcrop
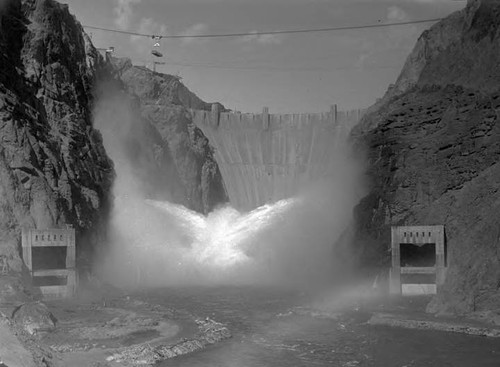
<point x="433" y="144"/>
<point x="164" y="107"/>
<point x="142" y="159"/>
<point x="53" y="167"/>
<point x="459" y="50"/>
<point x="34" y="318"/>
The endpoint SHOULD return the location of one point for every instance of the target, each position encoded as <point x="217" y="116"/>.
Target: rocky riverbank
<point x="268" y="328"/>
<point x="462" y="326"/>
<point x="122" y="331"/>
<point x="376" y="309"/>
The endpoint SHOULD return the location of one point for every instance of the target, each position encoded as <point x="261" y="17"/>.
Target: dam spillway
<point x="266" y="157"/>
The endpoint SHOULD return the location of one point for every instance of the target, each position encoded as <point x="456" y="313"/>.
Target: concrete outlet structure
<point x="418" y="259"/>
<point x="50" y="256"/>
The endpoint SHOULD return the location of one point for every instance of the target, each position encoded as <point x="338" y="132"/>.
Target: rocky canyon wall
<point x="433" y="143"/>
<point x="163" y="104"/>
<point x="54" y="170"/>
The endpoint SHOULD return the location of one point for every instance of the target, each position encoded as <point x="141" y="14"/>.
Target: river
<point x="270" y="327"/>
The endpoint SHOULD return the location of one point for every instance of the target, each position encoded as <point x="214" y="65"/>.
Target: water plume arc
<point x="225" y="237"/>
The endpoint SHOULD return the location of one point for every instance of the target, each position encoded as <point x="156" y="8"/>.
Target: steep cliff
<point x="164" y="104"/>
<point x="459" y="50"/>
<point x="433" y="143"/>
<point x="53" y="167"/>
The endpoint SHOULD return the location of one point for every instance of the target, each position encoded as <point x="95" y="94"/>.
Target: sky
<point x="291" y="73"/>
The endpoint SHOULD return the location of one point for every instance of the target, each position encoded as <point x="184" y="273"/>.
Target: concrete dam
<point x="266" y="157"/>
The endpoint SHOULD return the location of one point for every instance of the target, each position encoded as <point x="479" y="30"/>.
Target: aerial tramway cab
<point x="156" y="45"/>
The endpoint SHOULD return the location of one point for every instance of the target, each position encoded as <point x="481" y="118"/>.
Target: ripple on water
<point x="263" y="338"/>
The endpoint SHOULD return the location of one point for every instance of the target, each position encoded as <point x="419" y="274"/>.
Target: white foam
<point x="223" y="238"/>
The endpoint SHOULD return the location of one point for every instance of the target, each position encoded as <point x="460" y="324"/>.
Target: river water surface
<point x="271" y="328"/>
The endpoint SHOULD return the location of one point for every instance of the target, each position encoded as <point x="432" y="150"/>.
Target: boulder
<point x="34" y="318"/>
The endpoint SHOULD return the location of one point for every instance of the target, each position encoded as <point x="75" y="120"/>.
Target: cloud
<point x="389" y="39"/>
<point x="150" y="26"/>
<point x="395" y="13"/>
<point x="124" y="12"/>
<point x="399" y="36"/>
<point x="265" y="39"/>
<point x="194" y="30"/>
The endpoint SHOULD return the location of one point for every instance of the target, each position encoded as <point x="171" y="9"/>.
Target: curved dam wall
<point x="266" y="157"/>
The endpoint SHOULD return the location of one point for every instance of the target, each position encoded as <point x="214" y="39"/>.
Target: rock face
<point x="164" y="104"/>
<point x="53" y="167"/>
<point x="460" y="50"/>
<point x="433" y="143"/>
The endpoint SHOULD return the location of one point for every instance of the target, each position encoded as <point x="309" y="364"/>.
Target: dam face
<point x="266" y="157"/>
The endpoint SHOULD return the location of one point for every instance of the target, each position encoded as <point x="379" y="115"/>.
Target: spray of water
<point x="225" y="237"/>
<point x="158" y="243"/>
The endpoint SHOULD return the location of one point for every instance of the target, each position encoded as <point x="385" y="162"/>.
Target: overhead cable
<point x="246" y="34"/>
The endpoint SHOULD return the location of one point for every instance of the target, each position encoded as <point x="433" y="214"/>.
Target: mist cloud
<point x="124" y="13"/>
<point x="265" y="39"/>
<point x="158" y="243"/>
